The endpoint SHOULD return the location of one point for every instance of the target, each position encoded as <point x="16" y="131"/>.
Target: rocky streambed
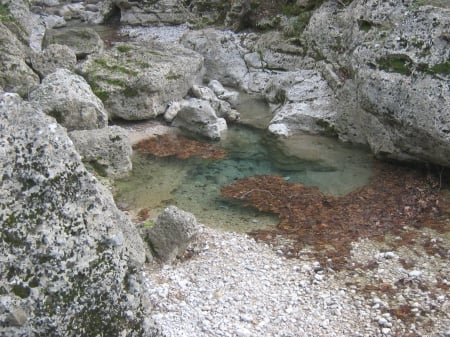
<point x="372" y="262"/>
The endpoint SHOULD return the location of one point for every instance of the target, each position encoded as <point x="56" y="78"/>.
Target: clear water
<point x="194" y="184"/>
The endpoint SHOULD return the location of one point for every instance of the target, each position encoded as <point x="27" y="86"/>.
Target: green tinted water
<point x="194" y="184"/>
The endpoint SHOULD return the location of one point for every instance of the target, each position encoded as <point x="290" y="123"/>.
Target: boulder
<point x="82" y="40"/>
<point x="230" y="96"/>
<point x="15" y="75"/>
<point x="197" y="116"/>
<point x="51" y="58"/>
<point x="69" y="259"/>
<point x="152" y="13"/>
<point x="389" y="66"/>
<point x="69" y="98"/>
<point x="138" y="80"/>
<point x="171" y="234"/>
<point x="221" y="107"/>
<point x="303" y="102"/>
<point x="107" y="150"/>
<point x="223" y="55"/>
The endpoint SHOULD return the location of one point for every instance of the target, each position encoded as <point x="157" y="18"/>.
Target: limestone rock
<point x="67" y="97"/>
<point x="82" y="40"/>
<point x="304" y="102"/>
<point x="389" y="67"/>
<point x="107" y="150"/>
<point x="68" y="256"/>
<point x="138" y="80"/>
<point x="199" y="117"/>
<point x="15" y="75"/>
<point x="223" y="55"/>
<point x="51" y="58"/>
<point x="221" y="107"/>
<point x="151" y="13"/>
<point x="172" y="232"/>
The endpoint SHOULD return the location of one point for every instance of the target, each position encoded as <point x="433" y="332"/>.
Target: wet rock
<point x="59" y="256"/>
<point x="82" y="40"/>
<point x="107" y="150"/>
<point x="138" y="80"/>
<point x="222" y="107"/>
<point x="197" y="115"/>
<point x="173" y="230"/>
<point x="51" y="58"/>
<point x="67" y="97"/>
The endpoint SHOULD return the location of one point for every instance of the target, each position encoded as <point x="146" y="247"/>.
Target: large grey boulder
<point x="82" y="40"/>
<point x="138" y="80"/>
<point x="302" y="102"/>
<point x="198" y="116"/>
<point x="222" y="107"/>
<point x="223" y="55"/>
<point x="51" y="58"/>
<point x="69" y="259"/>
<point x="150" y="13"/>
<point x="389" y="66"/>
<point x="15" y="75"/>
<point x="69" y="98"/>
<point x="107" y="150"/>
<point x="171" y="234"/>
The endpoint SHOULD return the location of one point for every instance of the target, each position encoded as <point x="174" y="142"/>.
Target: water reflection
<point x="194" y="184"/>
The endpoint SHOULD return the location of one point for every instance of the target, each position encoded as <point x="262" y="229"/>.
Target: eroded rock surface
<point x="138" y="80"/>
<point x="69" y="98"/>
<point x="69" y="258"/>
<point x="107" y="150"/>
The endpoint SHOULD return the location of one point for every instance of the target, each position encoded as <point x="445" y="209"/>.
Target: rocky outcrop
<point x="82" y="40"/>
<point x="390" y="68"/>
<point x="69" y="98"/>
<point x="15" y="75"/>
<point x="107" y="150"/>
<point x="51" y="58"/>
<point x="138" y="80"/>
<point x="69" y="259"/>
<point x="223" y="55"/>
<point x="302" y="102"/>
<point x="171" y="234"/>
<point x="198" y="116"/>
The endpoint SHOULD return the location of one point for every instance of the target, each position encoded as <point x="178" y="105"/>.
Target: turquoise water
<point x="194" y="184"/>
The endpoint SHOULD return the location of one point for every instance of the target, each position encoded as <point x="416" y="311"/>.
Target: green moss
<point x="329" y="129"/>
<point x="441" y="68"/>
<point x="148" y="223"/>
<point x="130" y="92"/>
<point x="115" y="68"/>
<point x="172" y="76"/>
<point x="124" y="48"/>
<point x="365" y="25"/>
<point x="100" y="169"/>
<point x="115" y="81"/>
<point x="400" y="64"/>
<point x="5" y="15"/>
<point x="102" y="94"/>
<point x="20" y="290"/>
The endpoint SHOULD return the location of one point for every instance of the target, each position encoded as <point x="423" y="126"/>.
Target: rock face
<point x="198" y="116"/>
<point x="69" y="98"/>
<point x="107" y="150"/>
<point x="138" y="80"/>
<point x="82" y="40"/>
<point x="390" y="68"/>
<point x="305" y="102"/>
<point x="173" y="231"/>
<point x="51" y="58"/>
<point x="15" y="75"/>
<point x="223" y="55"/>
<point x="69" y="258"/>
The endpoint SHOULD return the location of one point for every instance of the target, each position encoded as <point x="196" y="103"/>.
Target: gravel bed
<point x="232" y="286"/>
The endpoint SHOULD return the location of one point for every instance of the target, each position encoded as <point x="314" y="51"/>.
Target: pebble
<point x="239" y="287"/>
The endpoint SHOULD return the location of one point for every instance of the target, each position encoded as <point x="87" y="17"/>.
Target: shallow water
<point x="195" y="184"/>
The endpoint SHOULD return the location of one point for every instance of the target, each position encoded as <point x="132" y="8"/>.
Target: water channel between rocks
<point x="194" y="184"/>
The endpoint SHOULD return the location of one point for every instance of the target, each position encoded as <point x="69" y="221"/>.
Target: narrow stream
<point x="194" y="184"/>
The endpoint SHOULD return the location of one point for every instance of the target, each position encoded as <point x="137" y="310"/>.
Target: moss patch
<point x="124" y="48"/>
<point x="400" y="64"/>
<point x="441" y="68"/>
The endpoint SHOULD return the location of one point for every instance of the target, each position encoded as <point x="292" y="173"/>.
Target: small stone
<point x="17" y="317"/>
<point x="385" y="331"/>
<point x="243" y="332"/>
<point x="415" y="273"/>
